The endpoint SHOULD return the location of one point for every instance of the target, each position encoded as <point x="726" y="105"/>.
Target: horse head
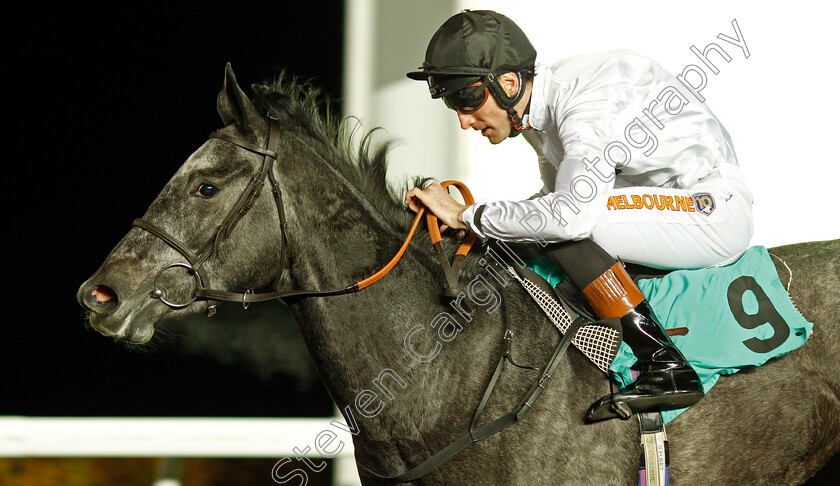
<point x="124" y="296"/>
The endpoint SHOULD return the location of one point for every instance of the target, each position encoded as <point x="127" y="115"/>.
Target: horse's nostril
<point x="103" y="294"/>
<point x="99" y="299"/>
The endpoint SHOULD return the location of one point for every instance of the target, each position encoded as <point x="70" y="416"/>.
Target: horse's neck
<point x="387" y="354"/>
<point x="338" y="238"/>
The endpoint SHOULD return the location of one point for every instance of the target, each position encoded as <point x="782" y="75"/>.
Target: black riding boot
<point x="666" y="381"/>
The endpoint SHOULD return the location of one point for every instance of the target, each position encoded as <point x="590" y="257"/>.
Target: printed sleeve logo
<point x="704" y="202"/>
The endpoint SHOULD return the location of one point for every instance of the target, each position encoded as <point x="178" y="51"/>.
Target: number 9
<point x="767" y="314"/>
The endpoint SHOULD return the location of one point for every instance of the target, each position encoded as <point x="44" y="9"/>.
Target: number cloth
<point x="737" y="316"/>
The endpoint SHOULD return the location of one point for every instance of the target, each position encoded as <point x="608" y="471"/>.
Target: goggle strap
<point x="500" y="42"/>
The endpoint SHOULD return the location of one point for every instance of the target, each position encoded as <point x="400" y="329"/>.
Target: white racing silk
<point x="617" y="123"/>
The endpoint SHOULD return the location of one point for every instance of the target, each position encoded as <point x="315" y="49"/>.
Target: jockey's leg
<point x="666" y="380"/>
<point x="656" y="227"/>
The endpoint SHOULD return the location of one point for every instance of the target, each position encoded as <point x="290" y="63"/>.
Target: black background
<point x="105" y="104"/>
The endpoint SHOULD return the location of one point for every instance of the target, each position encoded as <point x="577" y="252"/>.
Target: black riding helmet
<point x="472" y="49"/>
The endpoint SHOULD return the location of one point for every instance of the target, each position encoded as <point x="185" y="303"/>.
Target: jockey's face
<point x="491" y="119"/>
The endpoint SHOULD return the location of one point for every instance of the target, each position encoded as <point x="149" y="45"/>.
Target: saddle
<point x="747" y="314"/>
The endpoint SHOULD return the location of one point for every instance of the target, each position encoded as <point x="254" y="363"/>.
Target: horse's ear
<point x="235" y="107"/>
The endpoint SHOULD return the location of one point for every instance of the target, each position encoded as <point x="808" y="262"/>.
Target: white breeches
<point x="707" y="225"/>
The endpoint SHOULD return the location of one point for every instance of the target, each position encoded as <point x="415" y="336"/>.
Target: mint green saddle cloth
<point x="737" y="316"/>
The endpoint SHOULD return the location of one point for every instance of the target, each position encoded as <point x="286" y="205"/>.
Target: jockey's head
<point x="476" y="57"/>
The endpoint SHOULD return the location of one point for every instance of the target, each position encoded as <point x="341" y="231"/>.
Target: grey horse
<point x="408" y="382"/>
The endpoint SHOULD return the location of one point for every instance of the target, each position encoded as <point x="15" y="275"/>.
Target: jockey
<point x="634" y="167"/>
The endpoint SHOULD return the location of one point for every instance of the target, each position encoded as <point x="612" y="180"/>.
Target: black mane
<point x="299" y="106"/>
<point x="363" y="163"/>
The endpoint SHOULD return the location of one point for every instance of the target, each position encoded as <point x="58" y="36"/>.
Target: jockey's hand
<point x="439" y="202"/>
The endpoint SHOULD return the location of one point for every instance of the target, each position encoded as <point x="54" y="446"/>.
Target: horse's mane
<point x="363" y="162"/>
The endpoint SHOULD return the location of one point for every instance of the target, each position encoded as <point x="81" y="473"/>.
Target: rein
<point x="246" y="201"/>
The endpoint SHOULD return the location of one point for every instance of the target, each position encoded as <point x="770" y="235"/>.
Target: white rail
<point x="161" y="437"/>
<point x="179" y="437"/>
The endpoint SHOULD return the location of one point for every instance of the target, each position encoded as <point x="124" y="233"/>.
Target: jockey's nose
<point x="466" y="120"/>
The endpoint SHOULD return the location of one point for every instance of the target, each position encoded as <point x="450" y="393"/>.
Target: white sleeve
<point x="568" y="213"/>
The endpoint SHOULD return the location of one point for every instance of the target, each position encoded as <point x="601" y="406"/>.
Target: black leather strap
<point x="167" y="238"/>
<point x="650" y="422"/>
<point x="496" y="426"/>
<point x="288" y="296"/>
<point x="452" y="287"/>
<point x="246" y="145"/>
<point x="255" y="185"/>
<point x="281" y="215"/>
<point x="192" y="258"/>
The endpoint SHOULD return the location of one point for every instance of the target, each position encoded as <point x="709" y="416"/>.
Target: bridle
<point x="194" y="261"/>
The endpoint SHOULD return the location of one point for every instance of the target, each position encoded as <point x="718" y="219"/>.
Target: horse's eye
<point x="206" y="190"/>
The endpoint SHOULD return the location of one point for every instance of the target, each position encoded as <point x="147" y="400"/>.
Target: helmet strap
<point x="509" y="102"/>
<point x="516" y="124"/>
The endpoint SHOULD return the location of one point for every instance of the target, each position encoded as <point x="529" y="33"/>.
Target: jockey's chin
<point x="495" y="136"/>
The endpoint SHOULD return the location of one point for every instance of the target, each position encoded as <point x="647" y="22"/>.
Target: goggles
<point x="470" y="98"/>
<point x="463" y="93"/>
